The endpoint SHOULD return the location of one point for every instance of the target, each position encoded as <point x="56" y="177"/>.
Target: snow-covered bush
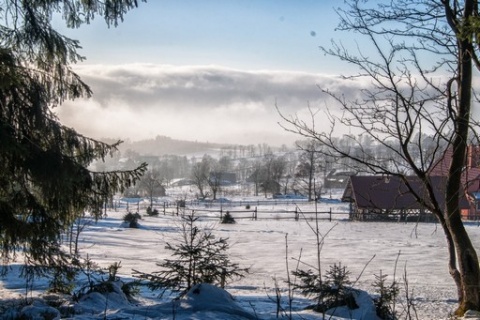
<point x="151" y="212"/>
<point x="131" y="219"/>
<point x="105" y="281"/>
<point x="227" y="218"/>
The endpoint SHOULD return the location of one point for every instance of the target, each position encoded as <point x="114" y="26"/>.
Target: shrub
<point x="97" y="282"/>
<point x="151" y="212"/>
<point x="130" y="289"/>
<point x="227" y="218"/>
<point x="132" y="219"/>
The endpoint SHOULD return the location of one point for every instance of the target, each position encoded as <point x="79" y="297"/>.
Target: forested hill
<point x="162" y="145"/>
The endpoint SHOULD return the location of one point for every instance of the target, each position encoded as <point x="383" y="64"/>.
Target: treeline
<point x="163" y="145"/>
<point x="303" y="170"/>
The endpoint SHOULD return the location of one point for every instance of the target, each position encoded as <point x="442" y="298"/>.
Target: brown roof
<point x="470" y="173"/>
<point x="392" y="193"/>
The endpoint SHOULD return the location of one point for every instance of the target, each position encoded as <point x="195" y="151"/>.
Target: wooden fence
<point x="256" y="214"/>
<point x="215" y="210"/>
<point x="253" y="214"/>
<point x="143" y="205"/>
<point x="253" y="210"/>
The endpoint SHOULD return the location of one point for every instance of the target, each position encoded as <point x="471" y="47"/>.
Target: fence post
<point x="221" y="213"/>
<point x="127" y="207"/>
<point x="296" y="214"/>
<point x="255" y="213"/>
<point x="164" y="208"/>
<point x="138" y="206"/>
<point x="330" y="215"/>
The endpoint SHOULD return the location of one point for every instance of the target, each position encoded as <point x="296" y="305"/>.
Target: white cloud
<point x="203" y="103"/>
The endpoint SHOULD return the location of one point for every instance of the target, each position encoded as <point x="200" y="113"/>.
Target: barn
<point x="393" y="198"/>
<point x="470" y="178"/>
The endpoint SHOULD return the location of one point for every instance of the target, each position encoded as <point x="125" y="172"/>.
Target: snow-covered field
<point x="365" y="248"/>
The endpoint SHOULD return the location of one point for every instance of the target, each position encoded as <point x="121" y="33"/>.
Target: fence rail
<point x="216" y="210"/>
<point x="254" y="214"/>
<point x="143" y="205"/>
<point x="253" y="211"/>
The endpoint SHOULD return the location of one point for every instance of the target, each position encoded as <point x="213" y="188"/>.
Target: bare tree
<point x="278" y="170"/>
<point x="290" y="160"/>
<point x="225" y="163"/>
<point x="152" y="184"/>
<point x="215" y="181"/>
<point x="308" y="166"/>
<point x="419" y="83"/>
<point x="256" y="176"/>
<point x="271" y="172"/>
<point x="166" y="171"/>
<point x="242" y="169"/>
<point x="200" y="174"/>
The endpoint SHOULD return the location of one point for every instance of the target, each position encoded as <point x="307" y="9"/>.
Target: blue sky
<point x="209" y="70"/>
<point x="248" y="34"/>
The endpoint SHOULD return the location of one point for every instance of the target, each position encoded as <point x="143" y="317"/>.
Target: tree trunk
<point x="310" y="180"/>
<point x="465" y="252"/>
<point x="467" y="265"/>
<point x="452" y="256"/>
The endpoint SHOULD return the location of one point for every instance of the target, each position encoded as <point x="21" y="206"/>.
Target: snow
<point x="415" y="252"/>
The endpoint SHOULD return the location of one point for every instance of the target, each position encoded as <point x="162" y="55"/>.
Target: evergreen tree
<point x="196" y="257"/>
<point x="45" y="183"/>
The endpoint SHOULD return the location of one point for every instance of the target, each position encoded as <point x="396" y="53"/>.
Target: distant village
<point x="302" y="172"/>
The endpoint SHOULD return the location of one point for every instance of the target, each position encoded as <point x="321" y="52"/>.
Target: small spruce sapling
<point x="227" y="218"/>
<point x="151" y="212"/>
<point x="387" y="293"/>
<point x="331" y="292"/>
<point x="63" y="279"/>
<point x="132" y="219"/>
<point x="197" y="257"/>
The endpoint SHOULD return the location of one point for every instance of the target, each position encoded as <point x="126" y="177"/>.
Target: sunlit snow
<point x="415" y="252"/>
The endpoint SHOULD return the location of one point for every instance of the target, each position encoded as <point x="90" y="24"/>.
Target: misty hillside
<point x="162" y="145"/>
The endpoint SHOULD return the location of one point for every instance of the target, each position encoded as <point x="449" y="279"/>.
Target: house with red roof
<point x="406" y="198"/>
<point x="470" y="178"/>
<point x="394" y="198"/>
